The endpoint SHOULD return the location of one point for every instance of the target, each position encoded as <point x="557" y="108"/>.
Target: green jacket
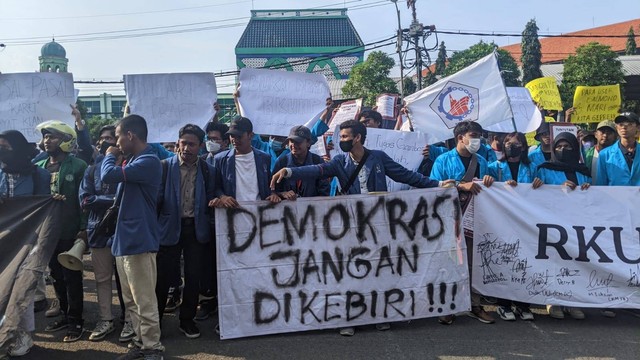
<point x="588" y="156"/>
<point x="69" y="178"/>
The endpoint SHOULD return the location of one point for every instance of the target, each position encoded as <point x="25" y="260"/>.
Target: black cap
<point x="627" y="116"/>
<point x="240" y="125"/>
<point x="299" y="133"/>
<point x="543" y="129"/>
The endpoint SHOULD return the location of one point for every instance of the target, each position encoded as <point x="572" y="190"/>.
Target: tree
<point x="531" y="57"/>
<point x="371" y="78"/>
<point x="507" y="64"/>
<point x="408" y="86"/>
<point x="630" y="49"/>
<point x="441" y="61"/>
<point x="593" y="64"/>
<point x="95" y="123"/>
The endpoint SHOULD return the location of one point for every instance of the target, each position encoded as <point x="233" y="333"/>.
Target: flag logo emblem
<point x="456" y="102"/>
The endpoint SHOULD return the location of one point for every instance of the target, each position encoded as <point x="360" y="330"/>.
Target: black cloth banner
<point x="29" y="231"/>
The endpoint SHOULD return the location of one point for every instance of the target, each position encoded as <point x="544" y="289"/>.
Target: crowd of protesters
<point x="163" y="251"/>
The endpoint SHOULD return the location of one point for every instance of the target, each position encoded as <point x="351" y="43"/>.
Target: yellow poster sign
<point x="544" y="91"/>
<point x="596" y="103"/>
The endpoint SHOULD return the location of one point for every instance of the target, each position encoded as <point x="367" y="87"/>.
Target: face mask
<point x="586" y="146"/>
<point x="513" y="151"/>
<point x="213" y="147"/>
<point x="104" y="146"/>
<point x="276" y="145"/>
<point x="474" y="145"/>
<point x="346" y="145"/>
<point x="566" y="156"/>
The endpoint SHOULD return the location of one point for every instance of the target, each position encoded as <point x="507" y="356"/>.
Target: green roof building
<point x="314" y="40"/>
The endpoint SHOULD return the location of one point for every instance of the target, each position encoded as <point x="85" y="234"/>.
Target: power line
<point x="520" y="35"/>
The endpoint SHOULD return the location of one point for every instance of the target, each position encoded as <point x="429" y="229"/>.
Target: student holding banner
<point x="19" y="177"/>
<point x="619" y="164"/>
<point x="359" y="171"/>
<point x="512" y="168"/>
<point x="565" y="170"/>
<point x="242" y="173"/>
<point x="463" y="164"/>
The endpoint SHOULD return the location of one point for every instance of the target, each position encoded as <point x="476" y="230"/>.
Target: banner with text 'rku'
<point x="559" y="247"/>
<point x="475" y="93"/>
<point x="322" y="263"/>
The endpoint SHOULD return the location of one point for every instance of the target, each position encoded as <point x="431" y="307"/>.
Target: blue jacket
<point x="487" y="153"/>
<point x="501" y="171"/>
<point x="613" y="169"/>
<point x="450" y="166"/>
<point x="169" y="218"/>
<point x="137" y="231"/>
<point x="555" y="177"/>
<point x="319" y="187"/>
<point x="224" y="165"/>
<point x="25" y="184"/>
<point x="379" y="165"/>
<point x="96" y="197"/>
<point x="160" y="151"/>
<point x="537" y="157"/>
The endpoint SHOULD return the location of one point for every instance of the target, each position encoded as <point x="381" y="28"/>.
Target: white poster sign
<point x="275" y="101"/>
<point x="526" y="115"/>
<point x="403" y="147"/>
<point x="475" y="93"/>
<point x="28" y="99"/>
<point x="348" y="110"/>
<point x="386" y="106"/>
<point x="320" y="147"/>
<point x="170" y="101"/>
<point x="331" y="262"/>
<point x="543" y="253"/>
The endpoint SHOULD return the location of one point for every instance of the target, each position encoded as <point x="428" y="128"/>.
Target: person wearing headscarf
<point x="19" y="177"/>
<point x="564" y="168"/>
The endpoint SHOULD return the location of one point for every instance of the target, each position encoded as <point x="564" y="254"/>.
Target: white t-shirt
<point x="246" y="178"/>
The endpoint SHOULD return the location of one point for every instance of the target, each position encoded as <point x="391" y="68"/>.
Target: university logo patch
<point x="456" y="102"/>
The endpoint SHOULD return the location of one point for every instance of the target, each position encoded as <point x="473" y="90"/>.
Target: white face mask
<point x="473" y="146"/>
<point x="212" y="146"/>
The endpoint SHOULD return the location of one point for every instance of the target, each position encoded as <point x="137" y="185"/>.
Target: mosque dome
<point x="53" y="49"/>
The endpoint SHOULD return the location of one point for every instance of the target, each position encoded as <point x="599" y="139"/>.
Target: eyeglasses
<point x="626" y="124"/>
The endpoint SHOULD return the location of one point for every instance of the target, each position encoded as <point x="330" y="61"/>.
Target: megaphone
<point x="72" y="259"/>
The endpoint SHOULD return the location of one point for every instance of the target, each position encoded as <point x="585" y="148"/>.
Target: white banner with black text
<point x="559" y="247"/>
<point x="322" y="263"/>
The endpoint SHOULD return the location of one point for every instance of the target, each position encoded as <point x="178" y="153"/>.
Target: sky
<point x="26" y="25"/>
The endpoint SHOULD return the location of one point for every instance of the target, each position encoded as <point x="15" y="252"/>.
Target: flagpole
<point x="513" y="120"/>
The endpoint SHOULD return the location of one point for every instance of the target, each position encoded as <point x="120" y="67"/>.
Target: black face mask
<point x="513" y="151"/>
<point x="567" y="156"/>
<point x="14" y="163"/>
<point x="346" y="145"/>
<point x="104" y="146"/>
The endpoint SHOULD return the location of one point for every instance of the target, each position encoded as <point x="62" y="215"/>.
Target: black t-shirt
<point x="547" y="155"/>
<point x="514" y="167"/>
<point x="466" y="161"/>
<point x="628" y="156"/>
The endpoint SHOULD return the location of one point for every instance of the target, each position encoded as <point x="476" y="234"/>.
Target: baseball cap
<point x="627" y="116"/>
<point x="607" y="123"/>
<point x="240" y="125"/>
<point x="299" y="133"/>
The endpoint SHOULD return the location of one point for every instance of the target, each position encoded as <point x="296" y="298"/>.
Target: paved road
<point x="545" y="338"/>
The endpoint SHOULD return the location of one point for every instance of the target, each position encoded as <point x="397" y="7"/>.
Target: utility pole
<point x="415" y="35"/>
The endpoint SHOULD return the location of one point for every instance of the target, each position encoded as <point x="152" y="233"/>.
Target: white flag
<point x="475" y="93"/>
